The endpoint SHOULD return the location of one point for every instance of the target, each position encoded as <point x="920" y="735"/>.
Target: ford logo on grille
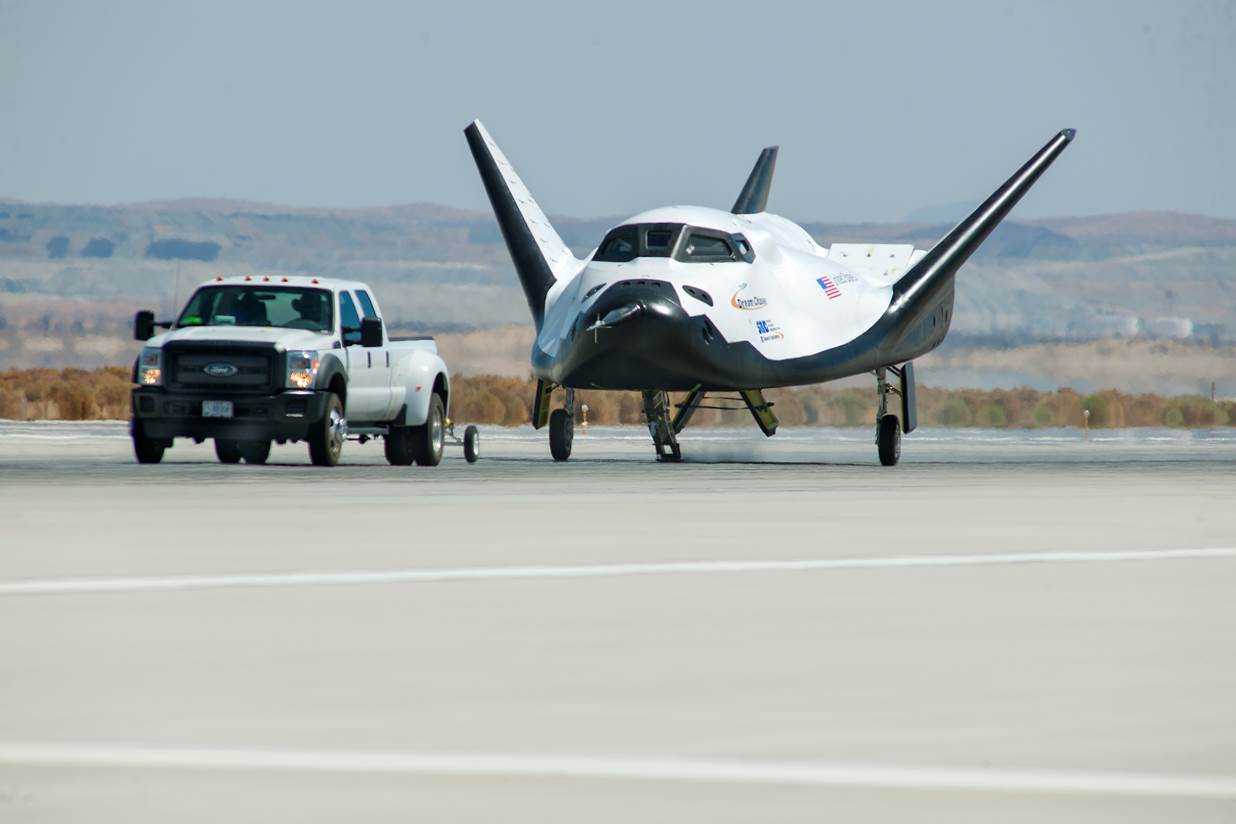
<point x="220" y="370"/>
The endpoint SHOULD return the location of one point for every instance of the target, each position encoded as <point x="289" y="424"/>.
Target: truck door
<point x="366" y="389"/>
<point x="381" y="360"/>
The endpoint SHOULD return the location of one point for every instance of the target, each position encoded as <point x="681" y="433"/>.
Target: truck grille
<point x="202" y="367"/>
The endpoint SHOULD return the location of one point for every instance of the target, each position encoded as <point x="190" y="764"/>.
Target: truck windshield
<point x="284" y="306"/>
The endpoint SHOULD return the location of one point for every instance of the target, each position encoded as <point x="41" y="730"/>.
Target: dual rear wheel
<point x="422" y="445"/>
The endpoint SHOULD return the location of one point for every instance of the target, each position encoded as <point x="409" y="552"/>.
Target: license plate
<point x="216" y="409"/>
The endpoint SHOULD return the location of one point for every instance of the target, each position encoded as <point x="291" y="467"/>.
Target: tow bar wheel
<point x="471" y="443"/>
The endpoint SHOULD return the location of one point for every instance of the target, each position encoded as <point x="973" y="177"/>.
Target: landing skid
<point x="661" y="427"/>
<point x="664" y="430"/>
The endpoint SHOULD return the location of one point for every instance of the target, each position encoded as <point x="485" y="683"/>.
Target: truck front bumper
<point x="283" y="416"/>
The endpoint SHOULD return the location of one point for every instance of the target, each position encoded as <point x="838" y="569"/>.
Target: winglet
<point x="935" y="270"/>
<point x="754" y="195"/>
<point x="539" y="255"/>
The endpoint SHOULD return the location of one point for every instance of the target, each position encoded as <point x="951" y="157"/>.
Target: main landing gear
<point x="561" y="421"/>
<point x="888" y="426"/>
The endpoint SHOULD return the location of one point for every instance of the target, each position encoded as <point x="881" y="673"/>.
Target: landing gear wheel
<point x="889" y="440"/>
<point x="472" y="444"/>
<point x="561" y="433"/>
<point x="227" y="451"/>
<point x="326" y="438"/>
<point x="399" y="446"/>
<point x="147" y="450"/>
<point x="429" y="438"/>
<point x="255" y="452"/>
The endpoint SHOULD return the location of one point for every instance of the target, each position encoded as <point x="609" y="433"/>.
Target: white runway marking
<point x="70" y="586"/>
<point x="631" y="768"/>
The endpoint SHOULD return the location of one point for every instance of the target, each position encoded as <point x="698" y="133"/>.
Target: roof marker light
<point x="315" y="280"/>
<point x="248" y="277"/>
<point x="218" y="277"/>
<point x="285" y="280"/>
<point x="266" y="279"/>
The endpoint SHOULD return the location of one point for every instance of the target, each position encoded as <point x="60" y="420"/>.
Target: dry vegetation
<point x="76" y="394"/>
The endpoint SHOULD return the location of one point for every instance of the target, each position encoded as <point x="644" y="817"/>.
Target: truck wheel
<point x="429" y="438"/>
<point x="147" y="450"/>
<point x="472" y="444"/>
<point x="227" y="451"/>
<point x="255" y="452"/>
<point x="889" y="440"/>
<point x="399" y="446"/>
<point x="561" y="433"/>
<point x="326" y="439"/>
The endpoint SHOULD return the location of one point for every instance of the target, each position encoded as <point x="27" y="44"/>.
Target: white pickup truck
<point x="254" y="359"/>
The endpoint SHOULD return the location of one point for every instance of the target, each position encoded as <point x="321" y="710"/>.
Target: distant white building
<point x="1168" y="327"/>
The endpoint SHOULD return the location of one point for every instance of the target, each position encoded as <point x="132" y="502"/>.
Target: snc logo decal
<point x="768" y="330"/>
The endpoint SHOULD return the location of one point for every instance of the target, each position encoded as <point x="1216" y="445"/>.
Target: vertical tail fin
<point x="934" y="271"/>
<point x="539" y="255"/>
<point x="754" y="195"/>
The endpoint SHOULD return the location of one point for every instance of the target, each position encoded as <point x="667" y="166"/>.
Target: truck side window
<point x="349" y="320"/>
<point x="366" y="303"/>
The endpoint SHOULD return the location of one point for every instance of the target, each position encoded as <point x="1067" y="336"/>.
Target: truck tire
<point x="255" y="452"/>
<point x="429" y="438"/>
<point x="472" y="444"/>
<point x="147" y="450"/>
<point x="327" y="435"/>
<point x="227" y="451"/>
<point x="399" y="445"/>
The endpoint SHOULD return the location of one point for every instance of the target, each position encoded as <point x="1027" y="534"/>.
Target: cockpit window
<point x="660" y="239"/>
<point x="626" y="243"/>
<point x="709" y="248"/>
<point x="619" y="246"/>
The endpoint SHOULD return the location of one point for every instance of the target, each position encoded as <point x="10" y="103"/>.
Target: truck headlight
<point x="150" y="367"/>
<point x="302" y="368"/>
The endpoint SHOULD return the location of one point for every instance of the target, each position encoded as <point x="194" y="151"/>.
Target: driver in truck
<point x="311" y="306"/>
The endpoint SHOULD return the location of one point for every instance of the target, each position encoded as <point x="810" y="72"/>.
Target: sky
<point x="880" y="109"/>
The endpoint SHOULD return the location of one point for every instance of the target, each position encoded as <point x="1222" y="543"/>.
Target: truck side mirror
<point x="371" y="332"/>
<point x="143" y="325"/>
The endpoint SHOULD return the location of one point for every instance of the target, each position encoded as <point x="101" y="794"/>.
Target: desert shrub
<point x="104" y="393"/>
<point x="1193" y="410"/>
<point x="848" y="408"/>
<point x="1042" y="415"/>
<point x="1106" y="409"/>
<point x="991" y="414"/>
<point x="953" y="412"/>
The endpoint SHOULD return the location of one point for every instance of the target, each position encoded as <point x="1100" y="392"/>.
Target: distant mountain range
<point x="80" y="270"/>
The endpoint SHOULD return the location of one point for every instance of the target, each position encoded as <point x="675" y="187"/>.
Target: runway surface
<point x="1013" y="626"/>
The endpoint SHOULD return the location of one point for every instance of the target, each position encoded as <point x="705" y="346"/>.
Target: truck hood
<point x="283" y="339"/>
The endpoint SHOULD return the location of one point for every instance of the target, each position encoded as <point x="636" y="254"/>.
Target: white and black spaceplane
<point x="708" y="302"/>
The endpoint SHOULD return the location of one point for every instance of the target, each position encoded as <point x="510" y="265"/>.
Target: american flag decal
<point x="830" y="288"/>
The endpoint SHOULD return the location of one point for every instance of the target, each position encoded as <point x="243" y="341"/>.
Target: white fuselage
<point x="794" y="299"/>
